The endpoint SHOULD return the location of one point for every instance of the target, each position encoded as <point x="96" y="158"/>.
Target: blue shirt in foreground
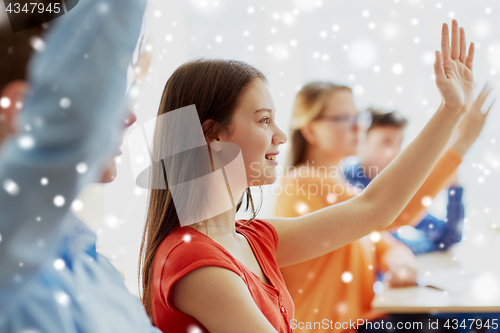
<point x="51" y="278"/>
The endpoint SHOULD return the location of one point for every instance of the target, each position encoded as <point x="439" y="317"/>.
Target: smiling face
<point x="333" y="134"/>
<point x="253" y="128"/>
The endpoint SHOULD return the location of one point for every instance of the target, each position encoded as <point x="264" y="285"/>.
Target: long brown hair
<point x="214" y="86"/>
<point x="309" y="104"/>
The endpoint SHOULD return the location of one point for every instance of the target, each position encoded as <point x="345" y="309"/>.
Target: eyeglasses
<point x="362" y="119"/>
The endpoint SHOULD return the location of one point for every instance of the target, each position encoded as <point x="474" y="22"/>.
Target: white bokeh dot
<point x="81" y="167"/>
<point x="65" y="103"/>
<point x="194" y="329"/>
<point x="347" y="277"/>
<point x="112" y="221"/>
<point x="11" y="187"/>
<point x="481" y="29"/>
<point x="301" y="207"/>
<point x="26" y="142"/>
<point x="5" y="102"/>
<point x="44" y="181"/>
<point x="331" y="198"/>
<point x="104" y="8"/>
<point x="390" y="31"/>
<point x="358" y="90"/>
<point x="426" y="201"/>
<point x="37" y="44"/>
<point x="59" y="201"/>
<point x="362" y="53"/>
<point x="186" y="238"/>
<point x="397" y="68"/>
<point x="62" y="298"/>
<point x="375" y="236"/>
<point x="77" y="205"/>
<point x="59" y="264"/>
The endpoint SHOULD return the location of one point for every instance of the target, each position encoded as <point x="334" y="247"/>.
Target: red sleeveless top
<point x="187" y="249"/>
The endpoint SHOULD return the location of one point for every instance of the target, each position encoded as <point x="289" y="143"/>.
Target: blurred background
<point x="383" y="49"/>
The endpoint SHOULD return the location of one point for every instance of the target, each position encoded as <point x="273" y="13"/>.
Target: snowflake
<point x="65" y="103"/>
<point x="11" y="187"/>
<point x="81" y="167"/>
<point x="5" y="102"/>
<point x="59" y="201"/>
<point x="346" y="277"/>
<point x="59" y="264"/>
<point x="62" y="298"/>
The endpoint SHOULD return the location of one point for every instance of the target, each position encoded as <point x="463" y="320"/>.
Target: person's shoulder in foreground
<point x="51" y="278"/>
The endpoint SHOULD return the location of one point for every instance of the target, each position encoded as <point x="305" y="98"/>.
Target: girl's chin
<point x="262" y="181"/>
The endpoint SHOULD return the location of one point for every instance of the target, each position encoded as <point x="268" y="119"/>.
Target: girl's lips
<point x="273" y="162"/>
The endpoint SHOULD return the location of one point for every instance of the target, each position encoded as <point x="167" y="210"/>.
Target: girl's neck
<point x="218" y="226"/>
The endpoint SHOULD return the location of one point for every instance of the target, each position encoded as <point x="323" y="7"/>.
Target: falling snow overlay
<point x="383" y="49"/>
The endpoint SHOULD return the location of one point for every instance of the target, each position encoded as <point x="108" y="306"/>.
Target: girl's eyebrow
<point x="264" y="110"/>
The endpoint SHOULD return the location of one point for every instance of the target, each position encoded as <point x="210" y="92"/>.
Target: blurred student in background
<point x="340" y="285"/>
<point x="380" y="145"/>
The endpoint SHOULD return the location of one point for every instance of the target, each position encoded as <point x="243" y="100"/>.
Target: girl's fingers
<point x="470" y="56"/>
<point x="488" y="111"/>
<point x="484" y="94"/>
<point x="438" y="67"/>
<point x="463" y="46"/>
<point x="455" y="41"/>
<point x="445" y="41"/>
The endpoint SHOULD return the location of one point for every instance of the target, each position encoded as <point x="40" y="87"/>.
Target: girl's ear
<point x="207" y="127"/>
<point x="216" y="145"/>
<point x="308" y="134"/>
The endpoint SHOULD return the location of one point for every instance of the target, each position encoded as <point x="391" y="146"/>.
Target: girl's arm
<point x="220" y="300"/>
<point x="323" y="231"/>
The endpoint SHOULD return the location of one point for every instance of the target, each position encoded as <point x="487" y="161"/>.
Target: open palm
<point x="453" y="69"/>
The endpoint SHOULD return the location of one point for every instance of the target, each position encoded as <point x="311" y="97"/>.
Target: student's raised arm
<point x="73" y="116"/>
<point x="320" y="232"/>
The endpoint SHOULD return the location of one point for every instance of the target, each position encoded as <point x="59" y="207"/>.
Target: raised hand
<point x="473" y="122"/>
<point x="453" y="69"/>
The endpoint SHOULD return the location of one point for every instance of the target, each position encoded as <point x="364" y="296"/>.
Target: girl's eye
<point x="265" y="120"/>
